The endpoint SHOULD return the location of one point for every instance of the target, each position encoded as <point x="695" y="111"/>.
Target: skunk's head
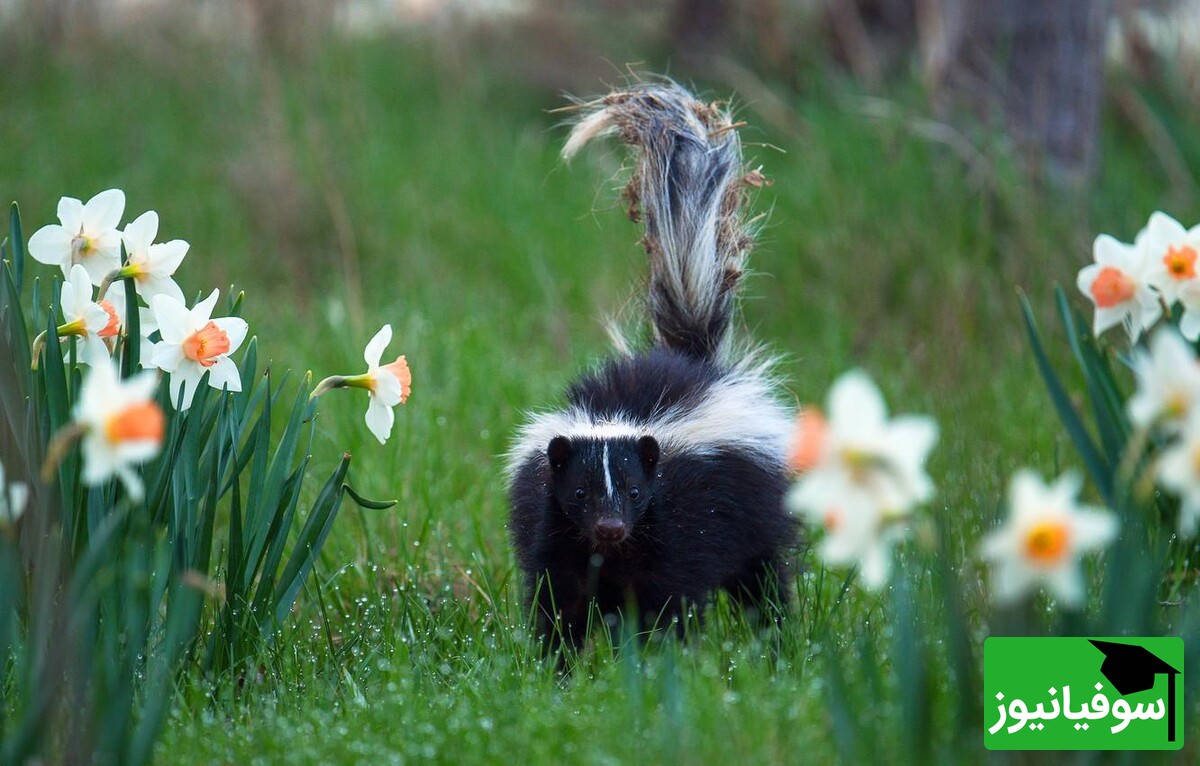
<point x="604" y="485"/>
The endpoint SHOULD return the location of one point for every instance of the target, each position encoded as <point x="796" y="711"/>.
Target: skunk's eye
<point x="634" y="492"/>
<point x="580" y="493"/>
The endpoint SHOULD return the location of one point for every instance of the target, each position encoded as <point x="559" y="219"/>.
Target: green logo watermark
<point x="1083" y="693"/>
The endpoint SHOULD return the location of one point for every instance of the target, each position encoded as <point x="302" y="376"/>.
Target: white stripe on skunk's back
<point x="738" y="412"/>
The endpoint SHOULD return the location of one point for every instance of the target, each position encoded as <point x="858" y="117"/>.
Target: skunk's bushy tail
<point x="687" y="187"/>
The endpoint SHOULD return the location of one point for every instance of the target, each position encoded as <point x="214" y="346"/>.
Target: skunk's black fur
<point x="663" y="478"/>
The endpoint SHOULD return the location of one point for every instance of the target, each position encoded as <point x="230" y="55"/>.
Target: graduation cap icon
<point x="1132" y="668"/>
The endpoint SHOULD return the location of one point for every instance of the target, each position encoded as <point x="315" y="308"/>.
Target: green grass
<point x="495" y="264"/>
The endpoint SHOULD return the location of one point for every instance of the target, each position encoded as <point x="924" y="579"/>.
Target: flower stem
<point x="332" y="382"/>
<point x="38" y="344"/>
<point x="106" y="283"/>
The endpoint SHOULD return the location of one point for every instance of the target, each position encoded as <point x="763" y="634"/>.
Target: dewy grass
<point x="492" y="262"/>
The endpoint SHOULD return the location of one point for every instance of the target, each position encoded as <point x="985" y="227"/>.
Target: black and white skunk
<point x="663" y="478"/>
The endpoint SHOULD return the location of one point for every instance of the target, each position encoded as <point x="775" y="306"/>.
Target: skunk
<point x="664" y="477"/>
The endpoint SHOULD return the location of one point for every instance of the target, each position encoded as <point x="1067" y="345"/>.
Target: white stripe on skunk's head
<point x="739" y="412"/>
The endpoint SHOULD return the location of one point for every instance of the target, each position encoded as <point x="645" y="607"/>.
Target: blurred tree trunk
<point x="700" y="28"/>
<point x="1033" y="67"/>
<point x="871" y="37"/>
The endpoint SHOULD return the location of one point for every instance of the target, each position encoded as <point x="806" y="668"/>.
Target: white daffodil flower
<point x="387" y="385"/>
<point x="1046" y="533"/>
<point x="85" y="319"/>
<point x="861" y="475"/>
<point x="883" y="457"/>
<point x="1168" y="378"/>
<point x="85" y="234"/>
<point x="14" y="496"/>
<point x="194" y="344"/>
<point x="122" y="425"/>
<point x="151" y="265"/>
<point x="1171" y="252"/>
<point x="1119" y="284"/>
<point x="1179" y="472"/>
<point x="856" y="532"/>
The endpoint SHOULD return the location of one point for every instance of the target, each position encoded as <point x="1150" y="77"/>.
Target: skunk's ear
<point x="647" y="448"/>
<point x="559" y="453"/>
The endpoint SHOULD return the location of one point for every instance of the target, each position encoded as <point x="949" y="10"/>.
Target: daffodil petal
<point x="103" y="212"/>
<point x="133" y="483"/>
<point x="166" y="257"/>
<point x="379" y="420"/>
<point x="139" y="235"/>
<point x="1189" y="516"/>
<point x="1163" y="228"/>
<point x="855" y="404"/>
<point x="94" y="317"/>
<point x="138" y="450"/>
<point x="1025" y="491"/>
<point x="18" y="498"/>
<point x="1108" y="251"/>
<point x="203" y="310"/>
<point x="996" y="545"/>
<point x="156" y="285"/>
<point x="1066" y="584"/>
<point x="374" y="350"/>
<point x="51" y="245"/>
<point x="1108" y="318"/>
<point x="94" y="351"/>
<point x="99" y="462"/>
<point x="186" y="378"/>
<point x="1009" y="583"/>
<point x="1094" y="529"/>
<point x="76" y="293"/>
<point x="167" y="357"/>
<point x="173" y="318"/>
<point x="876" y="565"/>
<point x="224" y="374"/>
<point x="70" y="215"/>
<point x="104" y="261"/>
<point x="142" y="385"/>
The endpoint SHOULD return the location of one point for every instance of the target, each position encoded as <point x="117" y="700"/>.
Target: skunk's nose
<point x="610" y="530"/>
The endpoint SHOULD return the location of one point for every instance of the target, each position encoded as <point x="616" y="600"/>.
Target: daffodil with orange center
<point x="86" y="234"/>
<point x="82" y="317"/>
<point x="861" y="474"/>
<point x="1171" y="252"/>
<point x="387" y="385"/>
<point x="194" y="345"/>
<point x="855" y="530"/>
<point x="122" y="425"/>
<point x="1043" y="539"/>
<point x="880" y="455"/>
<point x="149" y="265"/>
<point x="1119" y="284"/>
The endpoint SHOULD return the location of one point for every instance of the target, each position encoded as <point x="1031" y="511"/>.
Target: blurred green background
<point x="351" y="164"/>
